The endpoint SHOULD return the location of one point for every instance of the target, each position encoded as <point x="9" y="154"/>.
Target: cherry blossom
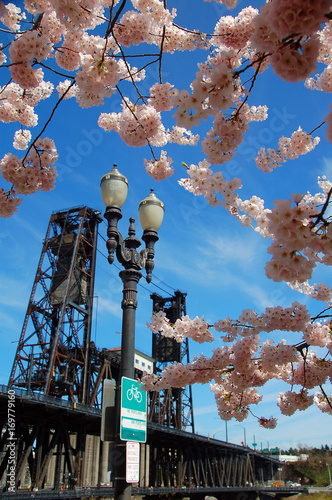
<point x="292" y="401"/>
<point x="267" y="423"/>
<point x="9" y="202"/>
<point x="35" y="171"/>
<point x="289" y="148"/>
<point x="160" y="169"/>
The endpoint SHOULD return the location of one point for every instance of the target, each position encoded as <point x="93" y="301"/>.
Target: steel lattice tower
<point x="172" y="407"/>
<point x="53" y="350"/>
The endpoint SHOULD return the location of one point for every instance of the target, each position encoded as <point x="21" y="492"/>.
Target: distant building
<point x="292" y="458"/>
<point x="142" y="361"/>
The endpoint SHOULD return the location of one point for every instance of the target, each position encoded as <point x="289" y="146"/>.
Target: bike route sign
<point x="133" y="411"/>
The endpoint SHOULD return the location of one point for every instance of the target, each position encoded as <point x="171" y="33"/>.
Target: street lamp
<point x="244" y="434"/>
<point x="221" y="431"/>
<point x="114" y="188"/>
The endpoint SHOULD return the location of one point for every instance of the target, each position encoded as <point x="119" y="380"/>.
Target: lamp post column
<point x="130" y="279"/>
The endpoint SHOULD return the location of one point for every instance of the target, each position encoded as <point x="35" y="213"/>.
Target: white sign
<point x="132" y="462"/>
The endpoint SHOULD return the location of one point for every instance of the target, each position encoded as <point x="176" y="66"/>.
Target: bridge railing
<point x="51" y="400"/>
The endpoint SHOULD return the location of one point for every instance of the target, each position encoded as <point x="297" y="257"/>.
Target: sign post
<point x="133" y="415"/>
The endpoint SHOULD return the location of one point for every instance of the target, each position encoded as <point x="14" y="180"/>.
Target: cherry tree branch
<point x="48" y="120"/>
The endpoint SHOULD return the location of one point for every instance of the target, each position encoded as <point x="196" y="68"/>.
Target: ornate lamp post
<point x="114" y="188"/>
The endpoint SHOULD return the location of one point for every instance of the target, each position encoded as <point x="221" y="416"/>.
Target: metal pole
<point x="328" y="468"/>
<point x="130" y="279"/>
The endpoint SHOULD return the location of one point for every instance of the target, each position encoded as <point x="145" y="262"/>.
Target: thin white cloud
<point x="14" y="292"/>
<point x="243" y="251"/>
<point x="30" y="227"/>
<point x="205" y="410"/>
<point x="106" y="305"/>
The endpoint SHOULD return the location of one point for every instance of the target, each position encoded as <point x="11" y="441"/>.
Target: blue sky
<point x="202" y="250"/>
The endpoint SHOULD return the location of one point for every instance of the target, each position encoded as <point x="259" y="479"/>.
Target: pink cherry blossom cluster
<point x="9" y="203"/>
<point x="219" y="145"/>
<point x="83" y="16"/>
<point x="287" y="32"/>
<point x="22" y="51"/>
<point x="275" y="356"/>
<point x="18" y="105"/>
<point x="214" y="368"/>
<point x="203" y="181"/>
<point x="147" y="25"/>
<point x="35" y="171"/>
<point x="291" y="401"/>
<point x="323" y="403"/>
<point x="201" y="370"/>
<point x="289" y="148"/>
<point x="318" y="291"/>
<point x="96" y="79"/>
<point x="318" y="334"/>
<point x="10" y="16"/>
<point x="224" y="138"/>
<point x="268" y="423"/>
<point x="312" y="371"/>
<point x="322" y="81"/>
<point x="196" y="329"/>
<point x="182" y="136"/>
<point x="231" y="404"/>
<point x="161" y="324"/>
<point x="254" y="209"/>
<point x="294" y="232"/>
<point x="160" y="169"/>
<point x="136" y="125"/>
<point x="161" y="96"/>
<point x="234" y="32"/>
<point x="292" y="65"/>
<point x="294" y="318"/>
<point x="22" y="139"/>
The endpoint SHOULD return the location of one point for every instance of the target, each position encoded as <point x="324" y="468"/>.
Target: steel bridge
<point x="52" y="447"/>
<point x="51" y="456"/>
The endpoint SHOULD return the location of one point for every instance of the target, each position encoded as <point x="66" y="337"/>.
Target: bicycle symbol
<point x="135" y="393"/>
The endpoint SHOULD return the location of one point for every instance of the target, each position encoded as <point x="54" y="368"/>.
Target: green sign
<point x="133" y="411"/>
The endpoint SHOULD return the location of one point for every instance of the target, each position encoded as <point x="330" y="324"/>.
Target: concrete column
<point x="88" y="459"/>
<point x="103" y="461"/>
<point x="95" y="460"/>
<point x="144" y="465"/>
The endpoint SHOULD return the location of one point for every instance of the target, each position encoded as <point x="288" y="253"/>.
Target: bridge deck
<point x="59" y="441"/>
<point x="105" y="492"/>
